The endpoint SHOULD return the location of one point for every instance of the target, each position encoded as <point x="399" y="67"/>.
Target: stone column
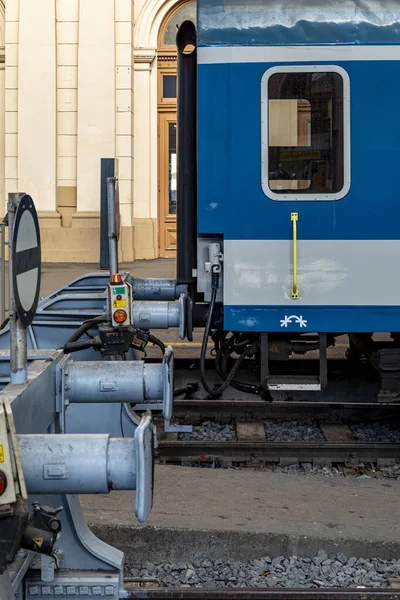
<point x="145" y="148"/>
<point x="124" y="17"/>
<point x="36" y="103"/>
<point x="11" y="91"/>
<point x="96" y="116"/>
<point x="67" y="107"/>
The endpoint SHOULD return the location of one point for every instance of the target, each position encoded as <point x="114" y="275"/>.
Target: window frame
<point x="290" y="196"/>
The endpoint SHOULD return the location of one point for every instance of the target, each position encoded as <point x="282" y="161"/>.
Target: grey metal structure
<point x="161" y="315"/>
<point x="156" y="289"/>
<point x="58" y="399"/>
<point x="102" y="397"/>
<point x="58" y="317"/>
<point x="77" y="464"/>
<point x="61" y="313"/>
<point x="133" y="381"/>
<point x="153" y="288"/>
<point x="64" y="463"/>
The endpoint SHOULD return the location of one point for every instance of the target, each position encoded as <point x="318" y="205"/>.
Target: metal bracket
<point x="168" y="428"/>
<point x="182" y="314"/>
<point x="81" y="549"/>
<point x="61" y="401"/>
<point x="168" y="383"/>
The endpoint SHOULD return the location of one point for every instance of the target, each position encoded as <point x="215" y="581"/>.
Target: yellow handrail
<point x="294" y="217"/>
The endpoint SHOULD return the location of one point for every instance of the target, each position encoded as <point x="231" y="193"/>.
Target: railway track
<point x="260" y="453"/>
<point x="270" y="594"/>
<point x="252" y="448"/>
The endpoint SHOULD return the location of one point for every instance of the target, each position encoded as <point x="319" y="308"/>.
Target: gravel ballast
<point x="210" y="431"/>
<point x="284" y="572"/>
<point x="375" y="432"/>
<point x="308" y="469"/>
<point x="361" y="473"/>
<point x="292" y="431"/>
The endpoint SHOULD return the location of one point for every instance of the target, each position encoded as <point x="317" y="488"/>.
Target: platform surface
<point x="284" y="509"/>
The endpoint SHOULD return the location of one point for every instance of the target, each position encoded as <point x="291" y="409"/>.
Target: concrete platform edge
<point x="156" y="544"/>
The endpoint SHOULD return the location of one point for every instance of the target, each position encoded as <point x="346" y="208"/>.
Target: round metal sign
<point x="26" y="260"/>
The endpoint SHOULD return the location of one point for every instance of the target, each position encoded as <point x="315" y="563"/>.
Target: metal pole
<point x="112" y="226"/>
<point x="18" y="336"/>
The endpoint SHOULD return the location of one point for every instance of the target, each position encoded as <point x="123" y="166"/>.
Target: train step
<point x="294" y="383"/>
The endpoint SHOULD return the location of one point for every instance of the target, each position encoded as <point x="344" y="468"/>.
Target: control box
<point x="120" y="298"/>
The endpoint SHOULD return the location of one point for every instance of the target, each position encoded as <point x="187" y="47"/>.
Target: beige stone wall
<point x="68" y="103"/>
<point x="66" y="100"/>
<point x="2" y="108"/>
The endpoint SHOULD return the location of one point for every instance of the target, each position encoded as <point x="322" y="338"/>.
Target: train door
<point x="306" y="170"/>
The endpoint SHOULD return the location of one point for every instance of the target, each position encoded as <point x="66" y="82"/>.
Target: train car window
<point x="306" y="133"/>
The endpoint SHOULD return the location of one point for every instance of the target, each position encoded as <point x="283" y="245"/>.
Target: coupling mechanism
<point x="91" y="464"/>
<point x="135" y="382"/>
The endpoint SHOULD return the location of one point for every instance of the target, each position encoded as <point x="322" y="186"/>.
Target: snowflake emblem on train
<point x="293" y="319"/>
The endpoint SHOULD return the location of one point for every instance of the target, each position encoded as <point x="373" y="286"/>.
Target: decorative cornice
<point x="167" y="58"/>
<point x="144" y="55"/>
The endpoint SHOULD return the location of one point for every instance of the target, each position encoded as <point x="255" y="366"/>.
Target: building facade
<point x="82" y="80"/>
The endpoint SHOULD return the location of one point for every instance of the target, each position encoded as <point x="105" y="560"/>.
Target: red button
<point x="3" y="483"/>
<point x="120" y="316"/>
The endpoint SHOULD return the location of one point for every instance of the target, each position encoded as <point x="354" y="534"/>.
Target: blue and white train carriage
<point x="298" y="178"/>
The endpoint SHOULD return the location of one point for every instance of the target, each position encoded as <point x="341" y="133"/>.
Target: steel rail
<point x="269" y="594"/>
<point x="330" y="411"/>
<point x="273" y="452"/>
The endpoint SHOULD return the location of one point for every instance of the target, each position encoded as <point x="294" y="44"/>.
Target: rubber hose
<point x="157" y="342"/>
<point x="218" y="391"/>
<point x="247" y="388"/>
<point x="76" y="346"/>
<point x="223" y="348"/>
<point x="86" y="326"/>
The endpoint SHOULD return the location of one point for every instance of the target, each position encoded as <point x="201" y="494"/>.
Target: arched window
<point x="187" y="12"/>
